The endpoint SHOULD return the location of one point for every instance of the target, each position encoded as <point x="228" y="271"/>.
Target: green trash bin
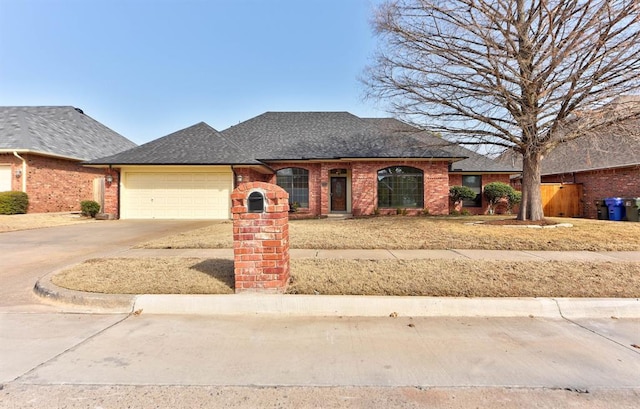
<point x="632" y="207"/>
<point x="603" y="210"/>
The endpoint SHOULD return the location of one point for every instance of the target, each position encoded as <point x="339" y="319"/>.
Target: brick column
<point x="111" y="194"/>
<point x="260" y="238"/>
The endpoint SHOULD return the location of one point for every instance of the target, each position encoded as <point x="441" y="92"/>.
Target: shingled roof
<point x="472" y="162"/>
<point x="61" y="131"/>
<point x="199" y="144"/>
<point x="602" y="151"/>
<point x="324" y="135"/>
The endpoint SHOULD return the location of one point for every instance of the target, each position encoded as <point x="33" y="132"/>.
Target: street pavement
<point x="52" y="359"/>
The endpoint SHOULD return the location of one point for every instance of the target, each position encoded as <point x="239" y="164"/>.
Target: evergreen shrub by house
<point x="496" y="191"/>
<point x="13" y="202"/>
<point x="460" y="193"/>
<point x="89" y="208"/>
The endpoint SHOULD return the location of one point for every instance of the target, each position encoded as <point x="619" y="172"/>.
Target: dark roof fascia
<point x="115" y="164"/>
<point x="232" y="165"/>
<point x="358" y="159"/>
<point x="39" y="153"/>
<point x="568" y="172"/>
<point x="475" y="172"/>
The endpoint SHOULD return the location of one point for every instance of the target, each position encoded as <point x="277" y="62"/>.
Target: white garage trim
<point x="5" y="178"/>
<point x="173" y="192"/>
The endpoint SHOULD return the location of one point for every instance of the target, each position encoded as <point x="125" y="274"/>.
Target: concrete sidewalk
<point x="364" y="306"/>
<point x="382" y="254"/>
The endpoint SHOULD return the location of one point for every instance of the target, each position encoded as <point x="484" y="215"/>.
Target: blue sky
<point x="147" y="68"/>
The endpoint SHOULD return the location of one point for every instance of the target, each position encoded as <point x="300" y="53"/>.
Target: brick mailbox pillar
<point x="260" y="237"/>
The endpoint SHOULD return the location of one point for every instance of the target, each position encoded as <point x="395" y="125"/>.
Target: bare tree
<point x="525" y="75"/>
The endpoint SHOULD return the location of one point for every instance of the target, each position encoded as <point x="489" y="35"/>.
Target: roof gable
<point x="199" y="144"/>
<point x="59" y="131"/>
<point x="323" y="135"/>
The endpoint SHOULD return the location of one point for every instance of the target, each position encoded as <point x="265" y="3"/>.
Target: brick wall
<point x="315" y="187"/>
<point x="261" y="239"/>
<point x="600" y="184"/>
<point x="456" y="180"/>
<point x="364" y="185"/>
<point x="112" y="193"/>
<point x="54" y="185"/>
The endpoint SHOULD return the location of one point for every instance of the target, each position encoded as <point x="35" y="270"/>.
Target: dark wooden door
<point x="339" y="194"/>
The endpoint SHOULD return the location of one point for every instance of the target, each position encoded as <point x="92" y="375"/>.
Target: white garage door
<point x="5" y="178"/>
<point x="173" y="195"/>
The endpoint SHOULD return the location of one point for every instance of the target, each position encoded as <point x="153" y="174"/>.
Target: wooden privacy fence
<point x="562" y="200"/>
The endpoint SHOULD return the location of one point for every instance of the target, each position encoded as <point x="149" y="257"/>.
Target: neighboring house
<point x="41" y="150"/>
<point x="604" y="165"/>
<point x="329" y="162"/>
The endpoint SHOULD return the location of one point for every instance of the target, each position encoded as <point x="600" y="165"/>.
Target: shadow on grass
<point x="218" y="269"/>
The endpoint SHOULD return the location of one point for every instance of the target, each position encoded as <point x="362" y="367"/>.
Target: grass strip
<point x="436" y="278"/>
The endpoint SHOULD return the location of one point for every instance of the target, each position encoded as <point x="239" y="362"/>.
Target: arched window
<point x="400" y="186"/>
<point x="296" y="182"/>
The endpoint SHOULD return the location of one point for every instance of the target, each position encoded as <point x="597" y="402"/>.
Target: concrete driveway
<point x="28" y="255"/>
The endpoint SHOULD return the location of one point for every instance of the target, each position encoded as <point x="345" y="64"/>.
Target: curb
<point x="116" y="303"/>
<point x="344" y="305"/>
<point x="385" y="306"/>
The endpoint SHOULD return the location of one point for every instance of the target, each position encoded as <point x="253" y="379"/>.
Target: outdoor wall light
<point x="18" y="173"/>
<point x="239" y="178"/>
<point x="108" y="178"/>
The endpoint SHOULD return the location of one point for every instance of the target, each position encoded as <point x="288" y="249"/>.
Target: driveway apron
<point x="27" y="255"/>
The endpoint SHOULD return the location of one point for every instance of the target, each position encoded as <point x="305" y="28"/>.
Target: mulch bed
<point x="516" y="222"/>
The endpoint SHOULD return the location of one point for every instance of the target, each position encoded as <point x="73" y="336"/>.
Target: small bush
<point x="514" y="198"/>
<point x="460" y="193"/>
<point x="454" y="213"/>
<point x="13" y="202"/>
<point x="494" y="192"/>
<point x="465" y="212"/>
<point x="89" y="208"/>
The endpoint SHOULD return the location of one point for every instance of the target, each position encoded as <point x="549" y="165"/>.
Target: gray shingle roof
<point x="392" y="125"/>
<point x="598" y="152"/>
<point x="198" y="144"/>
<point x="602" y="151"/>
<point x="323" y="135"/>
<point x="58" y="130"/>
<point x="473" y="162"/>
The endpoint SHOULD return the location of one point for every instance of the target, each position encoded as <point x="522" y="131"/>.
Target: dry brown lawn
<point x="438" y="278"/>
<point x="16" y="222"/>
<point x="397" y="232"/>
<point x="165" y="275"/>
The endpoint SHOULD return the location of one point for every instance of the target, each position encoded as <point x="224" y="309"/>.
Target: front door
<point x="339" y="194"/>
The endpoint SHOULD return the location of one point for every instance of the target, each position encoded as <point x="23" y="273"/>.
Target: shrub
<point x="494" y="192"/>
<point x="13" y="202"/>
<point x="514" y="199"/>
<point x="454" y="213"/>
<point x="89" y="208"/>
<point x="460" y="193"/>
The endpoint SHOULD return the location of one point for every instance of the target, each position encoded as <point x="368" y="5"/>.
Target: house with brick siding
<point x="41" y="151"/>
<point x="328" y="162"/>
<point x="602" y="165"/>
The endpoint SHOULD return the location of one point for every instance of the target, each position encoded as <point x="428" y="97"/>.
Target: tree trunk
<point x="531" y="205"/>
